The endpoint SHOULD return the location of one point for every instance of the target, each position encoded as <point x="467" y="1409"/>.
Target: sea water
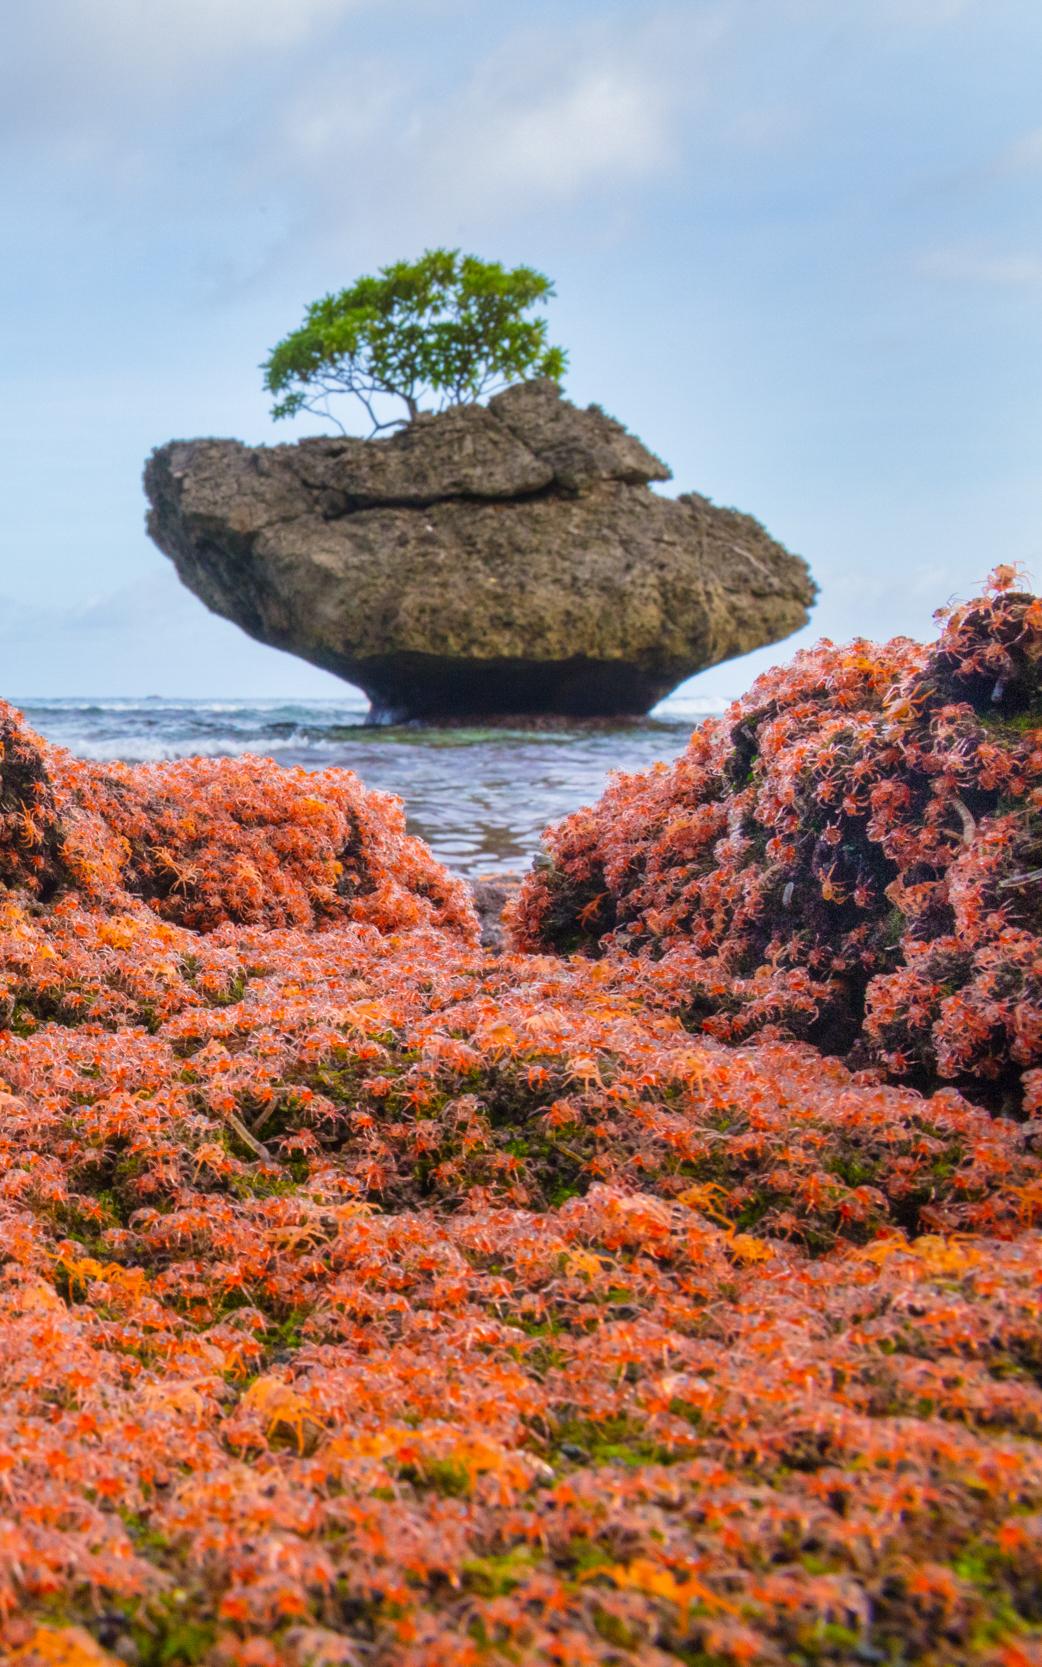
<point x="479" y="796"/>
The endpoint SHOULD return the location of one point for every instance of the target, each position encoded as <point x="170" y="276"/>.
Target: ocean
<point x="479" y="796"/>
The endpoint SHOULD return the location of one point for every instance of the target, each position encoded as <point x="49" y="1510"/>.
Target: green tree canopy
<point x="442" y="330"/>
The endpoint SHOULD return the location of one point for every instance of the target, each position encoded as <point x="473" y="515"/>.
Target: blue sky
<point x="797" y="246"/>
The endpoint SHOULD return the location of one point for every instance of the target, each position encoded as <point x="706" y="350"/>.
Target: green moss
<point x="1018" y="723"/>
<point x="853" y="1169"/>
<point x="442" y="1476"/>
<point x="700" y="1658"/>
<point x="253" y="1183"/>
<point x="178" y="1642"/>
<point x="174" y="1630"/>
<point x="559" y="1192"/>
<point x="286" y="1333"/>
<point x="586" y="1556"/>
<point x="147" y="1539"/>
<point x="826" y="1641"/>
<point x="493" y="1577"/>
<point x="982" y="1566"/>
<point x="614" y="1441"/>
<point x="613" y="1629"/>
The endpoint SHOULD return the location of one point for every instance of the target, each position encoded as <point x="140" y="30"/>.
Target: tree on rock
<point x="442" y="330"/>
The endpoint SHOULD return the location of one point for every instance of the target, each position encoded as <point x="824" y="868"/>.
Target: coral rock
<point x="850" y="856"/>
<point x="508" y="559"/>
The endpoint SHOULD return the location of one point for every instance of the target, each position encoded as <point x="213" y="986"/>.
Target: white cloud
<point x="896" y="17"/>
<point x="546" y="119"/>
<point x="334" y="120"/>
<point x="161" y="35"/>
<point x="921" y="14"/>
<point x="604" y="123"/>
<point x="763" y="127"/>
<point x="90" y="78"/>
<point x="543" y="121"/>
<point x="975" y="266"/>
<point x="1024" y="155"/>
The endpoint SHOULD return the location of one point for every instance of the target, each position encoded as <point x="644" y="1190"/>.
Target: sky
<point x="797" y="247"/>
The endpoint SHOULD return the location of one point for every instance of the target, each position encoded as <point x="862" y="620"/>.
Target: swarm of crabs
<point x="667" y="1289"/>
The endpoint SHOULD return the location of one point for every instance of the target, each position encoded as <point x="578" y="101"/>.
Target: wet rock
<point x="490" y="894"/>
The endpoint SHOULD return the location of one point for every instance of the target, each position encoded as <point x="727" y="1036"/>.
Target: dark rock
<point x="572" y="1450"/>
<point x="491" y="893"/>
<point x="508" y="559"/>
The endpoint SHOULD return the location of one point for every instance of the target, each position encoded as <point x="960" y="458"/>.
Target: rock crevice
<point x="501" y="559"/>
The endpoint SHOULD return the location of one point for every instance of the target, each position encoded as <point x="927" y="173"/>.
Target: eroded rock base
<point x="417" y="688"/>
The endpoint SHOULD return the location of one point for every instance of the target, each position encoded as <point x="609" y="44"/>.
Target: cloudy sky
<point x="797" y="245"/>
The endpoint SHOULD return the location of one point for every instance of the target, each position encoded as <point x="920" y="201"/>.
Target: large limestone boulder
<point x="501" y="559"/>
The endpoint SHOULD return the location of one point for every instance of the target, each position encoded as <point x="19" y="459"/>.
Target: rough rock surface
<point x="490" y="893"/>
<point x="508" y="558"/>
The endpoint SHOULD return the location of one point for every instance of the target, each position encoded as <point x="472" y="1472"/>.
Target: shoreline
<point x="368" y="1293"/>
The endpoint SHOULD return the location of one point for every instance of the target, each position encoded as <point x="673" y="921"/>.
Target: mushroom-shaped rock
<point x="507" y="559"/>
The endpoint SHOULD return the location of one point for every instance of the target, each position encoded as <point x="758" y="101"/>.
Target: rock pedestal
<point x="508" y="559"/>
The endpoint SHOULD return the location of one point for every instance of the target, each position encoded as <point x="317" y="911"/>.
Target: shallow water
<point x="480" y="797"/>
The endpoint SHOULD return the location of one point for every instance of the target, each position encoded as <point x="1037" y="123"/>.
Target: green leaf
<point x="443" y="329"/>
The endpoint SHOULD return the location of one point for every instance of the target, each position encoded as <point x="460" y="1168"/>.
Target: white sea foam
<point x="137" y="751"/>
